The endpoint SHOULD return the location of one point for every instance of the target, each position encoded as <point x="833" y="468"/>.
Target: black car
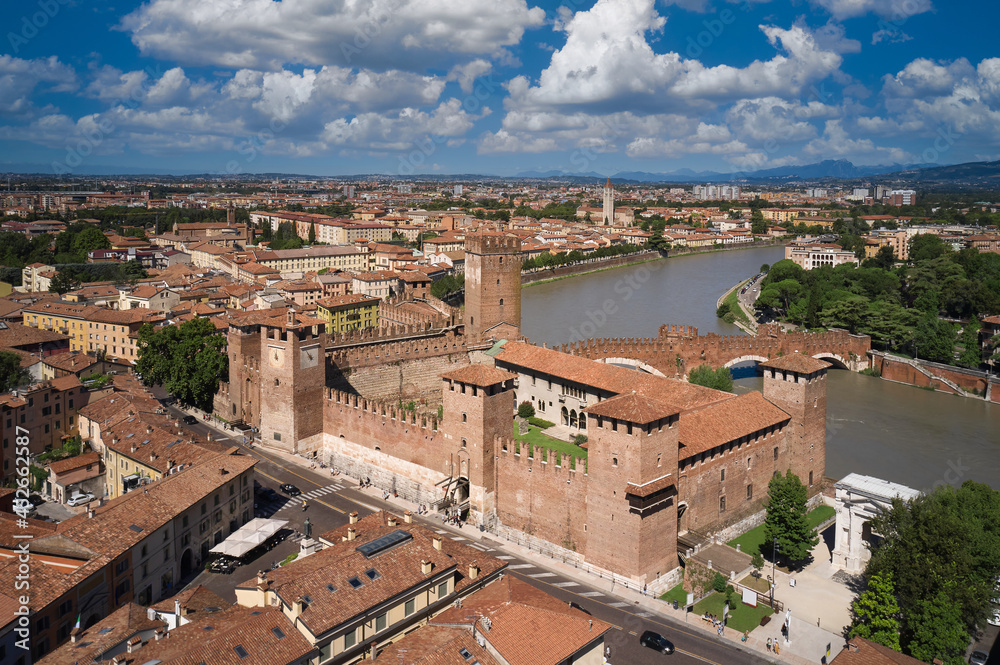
<point x="189" y="420"/>
<point x="656" y="642"/>
<point x="290" y="489"/>
<point x="35" y="500"/>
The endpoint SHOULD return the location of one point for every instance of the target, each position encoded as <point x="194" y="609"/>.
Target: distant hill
<point x="985" y="174"/>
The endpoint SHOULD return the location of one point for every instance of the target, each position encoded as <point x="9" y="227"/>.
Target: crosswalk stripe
<point x="478" y="547"/>
<point x="543" y="575"/>
<point x="591" y="594"/>
<point x="457" y="538"/>
<point x="440" y="531"/>
<point x="505" y="557"/>
<point x="619" y="604"/>
<point x="646" y="615"/>
<point x="565" y="584"/>
<point x="518" y="566"/>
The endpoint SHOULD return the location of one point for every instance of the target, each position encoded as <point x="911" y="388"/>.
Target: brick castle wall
<point x="413" y="379"/>
<point x="896" y="370"/>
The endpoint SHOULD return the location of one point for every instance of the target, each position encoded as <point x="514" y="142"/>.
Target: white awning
<point x="248" y="536"/>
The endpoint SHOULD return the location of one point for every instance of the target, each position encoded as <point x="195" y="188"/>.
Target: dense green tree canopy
<point x="876" y="613"/>
<point x="188" y="360"/>
<point x="12" y="374"/>
<point x="719" y="379"/>
<point x="786" y="524"/>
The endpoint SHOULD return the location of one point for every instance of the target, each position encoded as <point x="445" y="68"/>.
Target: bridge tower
<point x="492" y="285"/>
<point x="796" y="384"/>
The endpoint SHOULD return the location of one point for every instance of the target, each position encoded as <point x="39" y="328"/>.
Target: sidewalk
<point x="808" y="643"/>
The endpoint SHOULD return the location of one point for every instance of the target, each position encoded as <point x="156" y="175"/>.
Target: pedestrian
<point x="777" y="649"/>
<point x="769" y="644"/>
<point x="305" y="504"/>
<point x="644" y="590"/>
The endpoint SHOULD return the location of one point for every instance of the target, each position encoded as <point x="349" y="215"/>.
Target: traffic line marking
<point x="565" y="584"/>
<point x="536" y="575"/>
<point x="518" y="566"/>
<point x="591" y="594"/>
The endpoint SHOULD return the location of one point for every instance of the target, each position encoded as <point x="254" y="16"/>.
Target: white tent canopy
<point x="248" y="536"/>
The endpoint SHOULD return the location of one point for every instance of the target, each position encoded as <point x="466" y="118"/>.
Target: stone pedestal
<point x="309" y="546"/>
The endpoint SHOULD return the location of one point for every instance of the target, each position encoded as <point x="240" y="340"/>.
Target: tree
<point x="64" y="282"/>
<point x="927" y="246"/>
<point x="312" y="233"/>
<point x="757" y="562"/>
<point x="972" y="355"/>
<point x="12" y="374"/>
<point x="785" y="524"/>
<point x="758" y="225"/>
<point x="876" y="612"/>
<point x="717" y="379"/>
<point x="87" y="240"/>
<point x="884" y="258"/>
<point x="188" y="360"/>
<point x="934" y="339"/>
<point x="764" y="267"/>
<point x="938" y="630"/>
<point x="525" y="410"/>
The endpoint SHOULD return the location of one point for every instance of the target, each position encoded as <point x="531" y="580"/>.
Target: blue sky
<point x="494" y="86"/>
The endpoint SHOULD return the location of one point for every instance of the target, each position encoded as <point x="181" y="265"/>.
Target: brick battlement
<point x="387" y="351"/>
<point x="477" y="243"/>
<point x="678" y="350"/>
<point x="380" y="411"/>
<point x="543" y="457"/>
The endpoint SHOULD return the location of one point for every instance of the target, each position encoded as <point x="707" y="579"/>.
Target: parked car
<point x="290" y="489"/>
<point x="80" y="499"/>
<point x="35" y="500"/>
<point x="978" y="658"/>
<point x="189" y="420"/>
<point x="656" y="642"/>
<point x="267" y="494"/>
<point x="994" y="618"/>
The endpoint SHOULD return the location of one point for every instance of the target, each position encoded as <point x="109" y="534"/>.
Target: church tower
<point x="492" y="285"/>
<point x="608" y="214"/>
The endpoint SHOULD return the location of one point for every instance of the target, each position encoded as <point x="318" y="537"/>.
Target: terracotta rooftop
<point x="607" y="378"/>
<point x="558" y="631"/>
<point x="112" y="631"/>
<point x="796" y="362"/>
<point x="479" y="375"/>
<point x="78" y="462"/>
<point x="192" y="601"/>
<point x="869" y="653"/>
<point x="435" y="645"/>
<point x="16" y="335"/>
<point x="348" y="300"/>
<point x="70" y="362"/>
<point x="633" y="408"/>
<point x="716" y="424"/>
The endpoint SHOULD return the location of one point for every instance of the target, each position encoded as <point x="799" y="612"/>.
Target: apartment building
<point x="353" y="311"/>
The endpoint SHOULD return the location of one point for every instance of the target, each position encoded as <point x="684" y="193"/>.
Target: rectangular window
<point x="381" y="622"/>
<point x="410" y="607"/>
<point x="749" y="491"/>
<point x="442" y="589"/>
<point x="350" y="639"/>
<point x="775" y="452"/>
<point x="723" y="474"/>
<point x="722" y="504"/>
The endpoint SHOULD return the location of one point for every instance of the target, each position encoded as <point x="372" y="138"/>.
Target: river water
<point x="900" y="433"/>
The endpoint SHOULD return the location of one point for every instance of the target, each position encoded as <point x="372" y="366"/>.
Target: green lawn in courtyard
<point x="536" y="437"/>
<point x="741" y="617"/>
<point x="677" y="593"/>
<point x="751" y="541"/>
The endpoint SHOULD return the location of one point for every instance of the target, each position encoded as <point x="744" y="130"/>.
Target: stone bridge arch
<point x="744" y="359"/>
<point x="632" y="362"/>
<point x="834" y="359"/>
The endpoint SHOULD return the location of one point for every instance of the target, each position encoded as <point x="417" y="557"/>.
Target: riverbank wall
<point x="944" y="378"/>
<point x="587" y="266"/>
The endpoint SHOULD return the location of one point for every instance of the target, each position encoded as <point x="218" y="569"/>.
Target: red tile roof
<point x="716" y="424"/>
<point x="796" y="362"/>
<point x="479" y="375"/>
<point x="633" y="408"/>
<point x="869" y="653"/>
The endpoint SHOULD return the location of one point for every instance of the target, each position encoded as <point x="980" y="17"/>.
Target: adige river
<point x="874" y="427"/>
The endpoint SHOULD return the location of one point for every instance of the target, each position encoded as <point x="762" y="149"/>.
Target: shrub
<point x="525" y="410"/>
<point x="719" y="583"/>
<point x="580" y="439"/>
<point x="540" y="424"/>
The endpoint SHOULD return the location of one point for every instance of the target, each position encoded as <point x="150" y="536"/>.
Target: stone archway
<point x="834" y="359"/>
<point x="565" y="416"/>
<point x="745" y="359"/>
<point x="187" y="563"/>
<point x="632" y="362"/>
<point x="858" y="500"/>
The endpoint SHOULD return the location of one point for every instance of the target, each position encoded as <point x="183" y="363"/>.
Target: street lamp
<point x="774" y="556"/>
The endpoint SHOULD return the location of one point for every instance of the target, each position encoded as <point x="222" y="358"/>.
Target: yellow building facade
<point x="349" y="312"/>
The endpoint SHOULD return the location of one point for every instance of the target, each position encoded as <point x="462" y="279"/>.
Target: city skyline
<point x="494" y="87"/>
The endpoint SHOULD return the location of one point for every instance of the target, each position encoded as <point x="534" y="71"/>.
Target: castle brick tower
<point x="492" y="285"/>
<point x="796" y="384"/>
<point x="292" y="379"/>
<point x="632" y="486"/>
<point x="478" y="407"/>
<point x="608" y="211"/>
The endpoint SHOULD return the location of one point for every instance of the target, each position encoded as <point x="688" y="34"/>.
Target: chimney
<point x="298" y="607"/>
<point x="408" y="517"/>
<point x="590" y="625"/>
<point x="152" y="457"/>
<point x="114" y="440"/>
<point x="134" y="644"/>
<point x="100" y="502"/>
<point x="177" y="609"/>
<point x="391" y="521"/>
<point x="353" y="517"/>
<point x="351" y="533"/>
<point x="473" y="571"/>
<point x="222" y="471"/>
<point x="437" y="542"/>
<point x="90" y="512"/>
<point x="134" y="447"/>
<point x="160" y="633"/>
<point x="426" y="567"/>
<point x="261" y="578"/>
<point x="149" y="429"/>
<point x="74" y="635"/>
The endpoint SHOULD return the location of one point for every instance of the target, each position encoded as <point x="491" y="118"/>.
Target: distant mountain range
<point x="972" y="175"/>
<point x="839" y="169"/>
